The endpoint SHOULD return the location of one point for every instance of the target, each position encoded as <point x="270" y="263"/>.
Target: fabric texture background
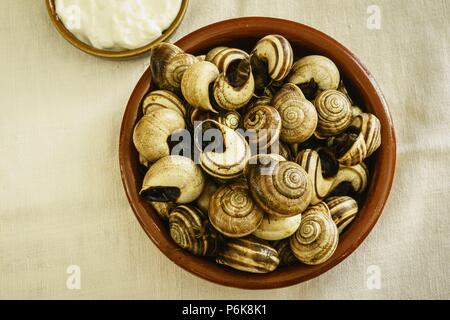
<point x="61" y="198"/>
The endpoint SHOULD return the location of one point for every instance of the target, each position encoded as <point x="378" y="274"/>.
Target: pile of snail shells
<point x="252" y="209"/>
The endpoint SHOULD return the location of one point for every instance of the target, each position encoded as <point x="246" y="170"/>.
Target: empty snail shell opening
<point x="238" y="72"/>
<point x="161" y="194"/>
<point x="343" y="142"/>
<point x="309" y="89"/>
<point x="330" y="166"/>
<point x="260" y="72"/>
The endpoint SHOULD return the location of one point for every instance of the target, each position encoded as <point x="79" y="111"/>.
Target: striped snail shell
<point x="285" y="253"/>
<point x="164" y="99"/>
<point x="223" y="56"/>
<point x="168" y="64"/>
<point x="196" y="82"/>
<point x="248" y="254"/>
<point x="173" y="179"/>
<point x="298" y="115"/>
<point x="162" y="208"/>
<point x="203" y="200"/>
<point x="311" y="161"/>
<point x="151" y="133"/>
<point x="350" y="179"/>
<point x="231" y="119"/>
<point x="263" y="124"/>
<point x="276" y="53"/>
<point x="317" y="237"/>
<point x="370" y="128"/>
<point x="228" y="163"/>
<point x="233" y="212"/>
<point x="190" y="229"/>
<point x="319" y="69"/>
<point x="334" y="112"/>
<point x="235" y="86"/>
<point x="343" y="210"/>
<point x="281" y="188"/>
<point x="277" y="228"/>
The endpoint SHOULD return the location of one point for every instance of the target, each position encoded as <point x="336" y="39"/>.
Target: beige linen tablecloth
<point x="62" y="202"/>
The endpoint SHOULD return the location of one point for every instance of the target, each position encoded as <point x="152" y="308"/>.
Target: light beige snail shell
<point x="175" y="69"/>
<point x="277" y="52"/>
<point x="190" y="229"/>
<point x="310" y="161"/>
<point x="162" y="208"/>
<point x="357" y="176"/>
<point x="231" y="119"/>
<point x="230" y="163"/>
<point x="208" y="191"/>
<point x="282" y="188"/>
<point x="334" y="113"/>
<point x="196" y="82"/>
<point x="164" y="99"/>
<point x="173" y="179"/>
<point x="343" y="210"/>
<point x="370" y="128"/>
<point x="248" y="254"/>
<point x="233" y="212"/>
<point x="160" y="57"/>
<point x="298" y="115"/>
<point x="152" y="132"/>
<point x="318" y="68"/>
<point x="263" y="125"/>
<point x="317" y="237"/>
<point x="277" y="228"/>
<point x="223" y="56"/>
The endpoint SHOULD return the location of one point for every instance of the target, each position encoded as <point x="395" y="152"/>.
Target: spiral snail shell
<point x="317" y="69"/>
<point x="231" y="119"/>
<point x="223" y="56"/>
<point x="229" y="162"/>
<point x="298" y="115"/>
<point x="173" y="179"/>
<point x="233" y="212"/>
<point x="282" y="188"/>
<point x="277" y="228"/>
<point x="350" y="179"/>
<point x="248" y="254"/>
<point x="311" y="161"/>
<point x="168" y="64"/>
<point x="285" y="253"/>
<point x="163" y="99"/>
<point x="263" y="124"/>
<point x="151" y="133"/>
<point x="276" y="53"/>
<point x="343" y="210"/>
<point x="317" y="237"/>
<point x="190" y="229"/>
<point x="334" y="113"/>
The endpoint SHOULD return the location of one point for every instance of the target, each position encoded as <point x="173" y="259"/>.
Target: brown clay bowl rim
<point x="107" y="53"/>
<point x="379" y="188"/>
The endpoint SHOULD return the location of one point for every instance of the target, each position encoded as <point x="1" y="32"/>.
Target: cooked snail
<point x="203" y="200"/>
<point x="248" y="254"/>
<point x="343" y="210"/>
<point x="277" y="228"/>
<point x="272" y="56"/>
<point x="228" y="160"/>
<point x="190" y="229"/>
<point x="163" y="99"/>
<point x="314" y="73"/>
<point x="285" y="253"/>
<point x="263" y="124"/>
<point x="317" y="237"/>
<point x="173" y="179"/>
<point x="152" y="132"/>
<point x="233" y="212"/>
<point x="322" y="170"/>
<point x="168" y="64"/>
<point x="298" y="115"/>
<point x="281" y="188"/>
<point x="334" y="112"/>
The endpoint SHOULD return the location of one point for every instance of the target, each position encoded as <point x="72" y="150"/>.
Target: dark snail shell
<point x="285" y="253"/>
<point x="317" y="237"/>
<point x="282" y="188"/>
<point x="263" y="125"/>
<point x="233" y="212"/>
<point x="248" y="254"/>
<point x="190" y="229"/>
<point x="343" y="210"/>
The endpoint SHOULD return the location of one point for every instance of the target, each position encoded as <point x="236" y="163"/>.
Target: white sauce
<point x="117" y="24"/>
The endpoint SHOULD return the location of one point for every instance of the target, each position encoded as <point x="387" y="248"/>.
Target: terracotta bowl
<point x="107" y="53"/>
<point x="243" y="33"/>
